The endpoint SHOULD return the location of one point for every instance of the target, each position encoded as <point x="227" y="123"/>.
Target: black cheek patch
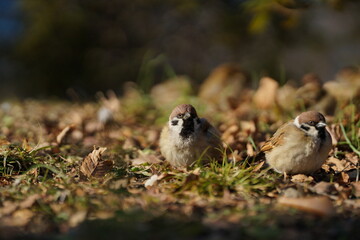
<point x="306" y="128"/>
<point x="174" y="122"/>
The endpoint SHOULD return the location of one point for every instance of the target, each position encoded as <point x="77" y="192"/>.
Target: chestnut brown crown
<point x="312" y="117"/>
<point x="182" y="109"/>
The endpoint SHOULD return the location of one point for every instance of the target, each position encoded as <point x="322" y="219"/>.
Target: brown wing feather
<point x="276" y="140"/>
<point x="205" y="125"/>
<point x="214" y="136"/>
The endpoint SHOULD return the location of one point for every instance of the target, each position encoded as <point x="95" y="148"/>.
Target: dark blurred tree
<point x="93" y="45"/>
<point x="53" y="46"/>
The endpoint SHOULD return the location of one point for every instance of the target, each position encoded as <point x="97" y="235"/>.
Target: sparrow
<point x="299" y="146"/>
<point x="187" y="138"/>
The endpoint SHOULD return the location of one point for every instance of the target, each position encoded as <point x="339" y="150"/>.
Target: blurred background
<point x="61" y="48"/>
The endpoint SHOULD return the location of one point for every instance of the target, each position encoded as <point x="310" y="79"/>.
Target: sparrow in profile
<point x="187" y="137"/>
<point x="299" y="146"/>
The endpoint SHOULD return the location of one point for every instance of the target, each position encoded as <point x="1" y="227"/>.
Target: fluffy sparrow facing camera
<point x="187" y="137"/>
<point x="299" y="146"/>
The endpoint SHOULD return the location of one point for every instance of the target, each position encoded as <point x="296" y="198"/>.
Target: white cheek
<point x="296" y="122"/>
<point x="176" y="128"/>
<point x="313" y="131"/>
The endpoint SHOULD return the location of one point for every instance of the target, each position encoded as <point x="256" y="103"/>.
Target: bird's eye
<point x="180" y="115"/>
<point x="311" y="123"/>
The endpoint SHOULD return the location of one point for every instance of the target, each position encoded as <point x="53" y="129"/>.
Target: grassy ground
<point x="48" y="192"/>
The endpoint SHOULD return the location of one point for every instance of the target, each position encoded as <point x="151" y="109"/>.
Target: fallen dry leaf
<point x="301" y="178"/>
<point x="77" y="218"/>
<point x="235" y="156"/>
<point x="4" y="142"/>
<point x="265" y="96"/>
<point x="258" y="167"/>
<point x="335" y="132"/>
<point x="103" y="168"/>
<point x="93" y="165"/>
<point x="356" y="189"/>
<point x="111" y="101"/>
<point x="286" y="97"/>
<point x="166" y="93"/>
<point x="145" y="158"/>
<point x="29" y="201"/>
<point x="19" y="218"/>
<point x="326" y="168"/>
<point x="92" y="127"/>
<point x="131" y="143"/>
<point x="344" y="177"/>
<point x="230" y="132"/>
<point x="248" y="126"/>
<point x="345" y="192"/>
<point x="77" y="135"/>
<point x="336" y="164"/>
<point x="103" y="215"/>
<point x="8" y="207"/>
<point x="342" y="91"/>
<point x="292" y="193"/>
<point x="353" y="158"/>
<point x="152" y="136"/>
<point x="190" y="178"/>
<point x="223" y="87"/>
<point x="61" y="136"/>
<point x="324" y="188"/>
<point x="196" y="171"/>
<point x="311" y="92"/>
<point x="250" y="150"/>
<point x="321" y="206"/>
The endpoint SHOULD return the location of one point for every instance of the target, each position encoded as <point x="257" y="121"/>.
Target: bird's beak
<point x="320" y="125"/>
<point x="186" y="116"/>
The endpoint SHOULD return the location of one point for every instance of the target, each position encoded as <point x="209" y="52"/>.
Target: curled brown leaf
<point x="94" y="165"/>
